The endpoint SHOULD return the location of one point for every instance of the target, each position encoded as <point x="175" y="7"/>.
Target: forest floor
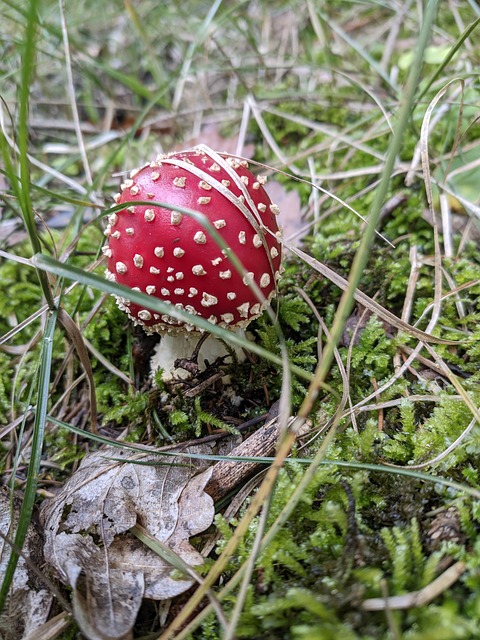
<point x="357" y="404"/>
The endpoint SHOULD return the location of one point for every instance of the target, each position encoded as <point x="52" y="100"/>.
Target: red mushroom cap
<point x="170" y="256"/>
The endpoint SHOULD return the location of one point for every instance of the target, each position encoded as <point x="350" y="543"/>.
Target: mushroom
<point x="170" y="255"/>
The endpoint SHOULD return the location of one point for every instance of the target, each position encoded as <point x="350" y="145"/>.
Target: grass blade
<point x="36" y="454"/>
<point x="51" y="265"/>
<point x="21" y="187"/>
<point x="456" y="47"/>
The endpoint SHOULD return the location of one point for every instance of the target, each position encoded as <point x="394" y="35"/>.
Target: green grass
<point x="369" y="111"/>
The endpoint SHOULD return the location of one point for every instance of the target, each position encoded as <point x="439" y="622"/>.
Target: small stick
<point x="227" y="474"/>
<point x="418" y="598"/>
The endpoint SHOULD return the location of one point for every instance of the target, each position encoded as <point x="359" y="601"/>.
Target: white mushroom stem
<point x="175" y="346"/>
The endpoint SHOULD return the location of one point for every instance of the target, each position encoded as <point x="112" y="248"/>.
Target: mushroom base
<point x="176" y="346"/>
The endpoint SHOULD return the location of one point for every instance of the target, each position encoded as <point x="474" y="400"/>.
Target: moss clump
<point x="350" y="533"/>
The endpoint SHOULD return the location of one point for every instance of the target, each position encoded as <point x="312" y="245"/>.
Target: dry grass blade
<point x="257" y="114"/>
<point x="72" y="97"/>
<point x="428" y="188"/>
<point x="249" y="567"/>
<point x="366" y="301"/>
<point x="176" y="561"/>
<point x="106" y="363"/>
<point x="187" y="62"/>
<point x="76" y="338"/>
<point x="51" y="629"/>
<point x="330" y="194"/>
<point x="419" y="598"/>
<point x="338" y="359"/>
<point x="334" y="135"/>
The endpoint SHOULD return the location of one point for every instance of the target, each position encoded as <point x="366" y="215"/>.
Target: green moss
<point x="128" y="408"/>
<point x="329" y="557"/>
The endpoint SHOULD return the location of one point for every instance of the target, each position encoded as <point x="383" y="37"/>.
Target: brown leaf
<point x="294" y="228"/>
<point x="88" y="542"/>
<point x="29" y="603"/>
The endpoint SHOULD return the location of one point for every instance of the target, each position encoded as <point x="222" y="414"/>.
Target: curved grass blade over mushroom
<point x="47" y="263"/>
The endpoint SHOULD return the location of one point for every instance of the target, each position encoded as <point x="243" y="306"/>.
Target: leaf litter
<point x="29" y="601"/>
<point x="89" y="543"/>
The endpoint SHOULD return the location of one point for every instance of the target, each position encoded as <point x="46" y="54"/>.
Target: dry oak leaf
<point x="87" y="537"/>
<point x="28" y="604"/>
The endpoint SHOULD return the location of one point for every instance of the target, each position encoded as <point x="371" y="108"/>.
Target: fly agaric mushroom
<point x="171" y="256"/>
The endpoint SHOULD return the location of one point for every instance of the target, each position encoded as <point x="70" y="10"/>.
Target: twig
<point x="51" y="629"/>
<point x="228" y="474"/>
<point x="418" y="598"/>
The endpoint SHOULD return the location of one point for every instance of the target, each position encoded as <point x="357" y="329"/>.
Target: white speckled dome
<point x="170" y="255"/>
